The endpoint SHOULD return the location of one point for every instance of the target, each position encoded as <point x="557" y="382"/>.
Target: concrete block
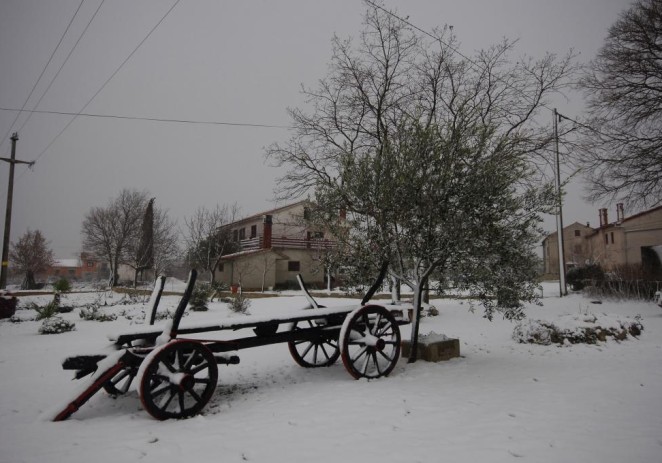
<point x="433" y="350"/>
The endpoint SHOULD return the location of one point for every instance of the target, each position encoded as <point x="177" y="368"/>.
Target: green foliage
<point x="579" y="277"/>
<point x="62" y="285"/>
<point x="200" y="297"/>
<point x="48" y="311"/>
<point x="56" y="325"/>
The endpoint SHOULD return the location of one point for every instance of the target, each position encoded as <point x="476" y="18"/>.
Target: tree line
<point x="132" y="229"/>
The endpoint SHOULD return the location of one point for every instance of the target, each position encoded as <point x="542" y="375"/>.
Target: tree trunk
<point x="28" y="281"/>
<point x="418" y="295"/>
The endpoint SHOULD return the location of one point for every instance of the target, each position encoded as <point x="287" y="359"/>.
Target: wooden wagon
<point x="174" y="369"/>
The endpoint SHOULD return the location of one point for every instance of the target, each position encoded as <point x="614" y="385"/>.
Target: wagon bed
<point x="174" y="368"/>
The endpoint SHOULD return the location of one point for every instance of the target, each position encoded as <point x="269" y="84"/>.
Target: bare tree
<point x="243" y="268"/>
<point x="430" y="154"/>
<point x="108" y="231"/>
<point x="205" y="238"/>
<point x="31" y="255"/>
<point x="267" y="263"/>
<point x="622" y="158"/>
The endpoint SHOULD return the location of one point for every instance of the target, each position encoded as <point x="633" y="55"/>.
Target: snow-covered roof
<point x="69" y="263"/>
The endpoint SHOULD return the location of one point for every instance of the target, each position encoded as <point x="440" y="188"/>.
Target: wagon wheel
<point x="370" y="342"/>
<point x="177" y="380"/>
<point x="314" y="353"/>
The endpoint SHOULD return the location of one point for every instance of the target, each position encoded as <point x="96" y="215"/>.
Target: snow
<point x="500" y="402"/>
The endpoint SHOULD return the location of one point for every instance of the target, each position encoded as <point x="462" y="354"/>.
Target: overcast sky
<point x="209" y="60"/>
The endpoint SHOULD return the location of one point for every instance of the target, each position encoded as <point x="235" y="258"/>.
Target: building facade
<point x="85" y="268"/>
<point x="634" y="240"/>
<point x="273" y="247"/>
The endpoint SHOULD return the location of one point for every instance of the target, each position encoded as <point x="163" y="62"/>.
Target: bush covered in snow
<point x="240" y="304"/>
<point x="92" y="313"/>
<point x="55" y="325"/>
<point x="574" y="329"/>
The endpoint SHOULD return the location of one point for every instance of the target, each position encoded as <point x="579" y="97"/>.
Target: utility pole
<point x="10" y="195"/>
<point x="563" y="289"/>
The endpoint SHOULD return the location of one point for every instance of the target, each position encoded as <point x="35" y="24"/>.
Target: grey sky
<point x="211" y="60"/>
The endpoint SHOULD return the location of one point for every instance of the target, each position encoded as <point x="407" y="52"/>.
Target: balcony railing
<point x="250" y="244"/>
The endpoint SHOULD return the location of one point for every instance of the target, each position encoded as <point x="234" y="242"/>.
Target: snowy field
<point x="500" y="402"/>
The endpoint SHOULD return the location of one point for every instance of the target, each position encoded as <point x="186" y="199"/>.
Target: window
<point x="253" y="231"/>
<point x="293" y="266"/>
<point x="220" y="267"/>
<point x="612" y="237"/>
<point x="306" y="213"/>
<point x="242" y="234"/>
<point x="235" y="235"/>
<point x="90" y="264"/>
<point x="578" y="233"/>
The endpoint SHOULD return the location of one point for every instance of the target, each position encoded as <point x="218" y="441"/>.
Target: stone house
<point x="274" y="246"/>
<point x="86" y="267"/>
<point x="633" y="240"/>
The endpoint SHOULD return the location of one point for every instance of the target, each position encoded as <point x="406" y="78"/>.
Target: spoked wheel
<point x="313" y="353"/>
<point x="370" y="342"/>
<point x="177" y="380"/>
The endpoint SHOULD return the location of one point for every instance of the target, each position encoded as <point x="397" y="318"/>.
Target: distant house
<point x="86" y="268"/>
<point x="633" y="240"/>
<point x="274" y="246"/>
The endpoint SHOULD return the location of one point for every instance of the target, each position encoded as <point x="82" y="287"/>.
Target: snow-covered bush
<point x="240" y="304"/>
<point x="92" y="313"/>
<point x="574" y="329"/>
<point x="56" y="325"/>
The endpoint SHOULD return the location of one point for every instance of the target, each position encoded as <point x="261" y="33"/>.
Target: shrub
<point x="240" y="304"/>
<point x="200" y="297"/>
<point x="579" y="277"/>
<point x="575" y="329"/>
<point x="56" y="325"/>
<point x="92" y="313"/>
<point x="62" y="285"/>
<point x="48" y="311"/>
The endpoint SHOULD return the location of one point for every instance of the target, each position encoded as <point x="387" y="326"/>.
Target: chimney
<point x="603" y="217"/>
<point x="620" y="213"/>
<point x="266" y="232"/>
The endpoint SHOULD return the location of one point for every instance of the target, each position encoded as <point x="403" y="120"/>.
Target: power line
<point x="50" y="84"/>
<point x="43" y="70"/>
<point x="149" y="119"/>
<point x="109" y="79"/>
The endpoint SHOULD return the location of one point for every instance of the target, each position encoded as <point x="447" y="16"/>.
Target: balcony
<point x="251" y="244"/>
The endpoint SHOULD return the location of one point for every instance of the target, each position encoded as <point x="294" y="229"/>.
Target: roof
<point x="269" y="212"/>
<point x="639" y="214"/>
<point x="68" y="263"/>
<point x="634" y="216"/>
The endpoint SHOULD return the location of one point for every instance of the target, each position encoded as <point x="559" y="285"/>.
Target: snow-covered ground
<point x="500" y="402"/>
